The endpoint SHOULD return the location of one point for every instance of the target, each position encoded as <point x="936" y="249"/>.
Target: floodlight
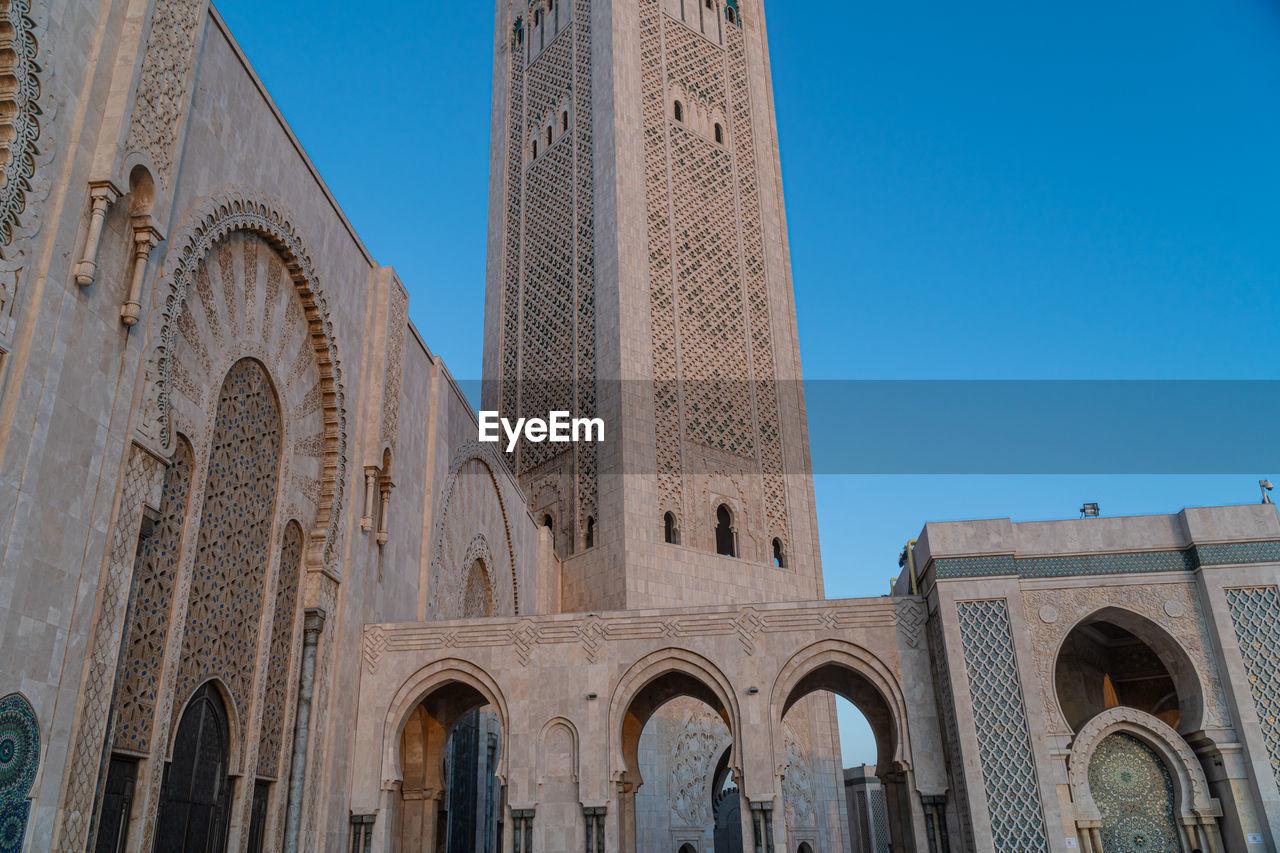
<point x="1090" y="511"/>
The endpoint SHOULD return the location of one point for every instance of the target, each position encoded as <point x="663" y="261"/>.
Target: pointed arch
<point x="1191" y="790"/>
<point x="1187" y="678"/>
<point x="474" y="522"/>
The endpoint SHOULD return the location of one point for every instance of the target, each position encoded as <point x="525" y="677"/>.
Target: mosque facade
<point x="263" y="587"/>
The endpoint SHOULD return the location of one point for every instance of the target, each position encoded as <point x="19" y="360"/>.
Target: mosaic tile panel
<point x="1134" y="793"/>
<point x="275" y="703"/>
<point x="158" y="559"/>
<point x="19" y="760"/>
<point x="1108" y="564"/>
<point x="231" y="548"/>
<point x="1004" y="737"/>
<point x="1238" y="552"/>
<point x="1255" y="613"/>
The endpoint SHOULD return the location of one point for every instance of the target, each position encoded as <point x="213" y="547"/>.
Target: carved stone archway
<point x="217" y="217"/>
<point x="1195" y="810"/>
<point x="459" y="541"/>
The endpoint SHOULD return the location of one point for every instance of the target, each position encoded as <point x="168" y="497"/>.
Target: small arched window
<point x="564" y="120"/>
<point x="779" y="556"/>
<point x="724" y="532"/>
<point x="679" y="112"/>
<point x="804" y="848"/>
<point x="537" y="17"/>
<point x="669" y="533"/>
<point x="535" y="149"/>
<point x="548" y="522"/>
<point x="548" y="137"/>
<point x="731" y="15"/>
<point x="591" y="532"/>
<point x="719" y="134"/>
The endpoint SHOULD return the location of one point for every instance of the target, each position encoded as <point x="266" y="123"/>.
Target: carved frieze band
<point x="594" y="632"/>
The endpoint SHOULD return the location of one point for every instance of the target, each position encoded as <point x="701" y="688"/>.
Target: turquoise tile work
<point x="1135" y="796"/>
<point x="19" y="758"/>
<point x="1255" y="613"/>
<point x="1108" y="564"/>
<point x="1004" y="738"/>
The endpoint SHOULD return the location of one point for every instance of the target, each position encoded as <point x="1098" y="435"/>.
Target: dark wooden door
<point x="258" y="820"/>
<point x="197" y="792"/>
<point x="117" y="804"/>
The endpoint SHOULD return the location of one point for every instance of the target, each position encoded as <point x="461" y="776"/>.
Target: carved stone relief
<point x="1065" y="608"/>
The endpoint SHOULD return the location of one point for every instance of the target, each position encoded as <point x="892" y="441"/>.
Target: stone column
<point x="595" y="828"/>
<point x="104" y="194"/>
<point x="311" y="628"/>
<point x="145" y="238"/>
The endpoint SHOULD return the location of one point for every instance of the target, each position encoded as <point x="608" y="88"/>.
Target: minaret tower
<point x="639" y="272"/>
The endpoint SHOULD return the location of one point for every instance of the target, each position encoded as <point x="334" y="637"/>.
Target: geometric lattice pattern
<point x="548" y="341"/>
<point x="157" y="568"/>
<point x="1255" y="613"/>
<point x="1004" y="738"/>
<point x="276" y="698"/>
<point x="19" y="759"/>
<point x="709" y="297"/>
<point x="1134" y="793"/>
<point x="880" y="839"/>
<point x="231" y="548"/>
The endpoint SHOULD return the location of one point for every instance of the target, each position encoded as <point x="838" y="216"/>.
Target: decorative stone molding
<point x="1068" y="607"/>
<point x="27" y="144"/>
<point x="1189" y="780"/>
<point x="380" y="640"/>
<point x="910" y="613"/>
<point x="24" y="144"/>
<point x="230" y="210"/>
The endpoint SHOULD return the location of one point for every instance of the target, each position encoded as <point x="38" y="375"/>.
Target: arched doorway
<point x="1134" y="793"/>
<point x="804" y="694"/>
<point x="451" y="800"/>
<point x="1114" y="659"/>
<point x="674" y="722"/>
<point x="726" y="808"/>
<point x="195" y="803"/>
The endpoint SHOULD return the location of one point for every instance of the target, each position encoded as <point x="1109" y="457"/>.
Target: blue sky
<point x="986" y="190"/>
